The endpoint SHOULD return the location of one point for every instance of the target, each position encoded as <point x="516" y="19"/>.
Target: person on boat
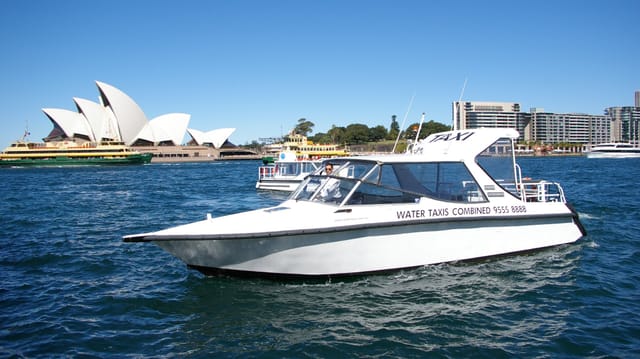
<point x="330" y="186"/>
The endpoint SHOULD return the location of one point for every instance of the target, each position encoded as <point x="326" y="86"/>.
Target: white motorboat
<point x="614" y="150"/>
<point x="286" y="173"/>
<point x="458" y="195"/>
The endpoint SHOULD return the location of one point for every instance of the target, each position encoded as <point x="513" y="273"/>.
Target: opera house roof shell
<point x="117" y="117"/>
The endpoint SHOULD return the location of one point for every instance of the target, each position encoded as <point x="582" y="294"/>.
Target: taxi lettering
<point x="450" y="136"/>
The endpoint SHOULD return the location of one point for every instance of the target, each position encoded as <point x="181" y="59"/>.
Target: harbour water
<point x="71" y="288"/>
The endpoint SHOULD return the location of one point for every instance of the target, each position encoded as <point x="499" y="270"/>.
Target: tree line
<point x="358" y="133"/>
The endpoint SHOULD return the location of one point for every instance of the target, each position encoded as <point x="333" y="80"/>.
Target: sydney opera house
<point x="118" y="118"/>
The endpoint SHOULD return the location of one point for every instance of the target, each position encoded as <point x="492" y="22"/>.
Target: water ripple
<point x="71" y="287"/>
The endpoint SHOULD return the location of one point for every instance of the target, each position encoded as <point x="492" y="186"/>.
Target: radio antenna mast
<point x="457" y="113"/>
<point x="403" y="121"/>
<point x="26" y="131"/>
<point x="419" y="127"/>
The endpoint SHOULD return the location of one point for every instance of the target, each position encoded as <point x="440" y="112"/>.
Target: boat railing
<point x="536" y="190"/>
<point x="266" y="171"/>
<point x="271" y="171"/>
<point x="542" y="191"/>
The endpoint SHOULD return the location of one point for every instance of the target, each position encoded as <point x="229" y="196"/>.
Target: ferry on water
<point x="64" y="153"/>
<point x="304" y="149"/>
<point x="614" y="150"/>
<point x="298" y="157"/>
<point x="286" y="173"/>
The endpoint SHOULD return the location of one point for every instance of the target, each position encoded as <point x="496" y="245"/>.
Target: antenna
<point x="403" y="121"/>
<point x="456" y="114"/>
<point x="26" y="131"/>
<point x="464" y="85"/>
<point x="419" y="128"/>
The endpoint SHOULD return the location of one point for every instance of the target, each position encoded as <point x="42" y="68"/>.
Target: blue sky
<point x="259" y="66"/>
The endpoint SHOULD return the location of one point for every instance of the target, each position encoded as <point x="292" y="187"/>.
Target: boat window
<point x="408" y="182"/>
<point x="352" y="169"/>
<point x="288" y="169"/>
<point x="394" y="183"/>
<point x="308" y="187"/>
<point x="498" y="162"/>
<point x="368" y="193"/>
<point x="345" y="173"/>
<point x="309" y="167"/>
<point x="448" y="181"/>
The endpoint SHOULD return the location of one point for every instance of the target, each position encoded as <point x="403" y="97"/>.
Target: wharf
<point x="173" y="154"/>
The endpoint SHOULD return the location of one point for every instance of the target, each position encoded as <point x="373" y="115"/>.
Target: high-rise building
<point x="618" y="124"/>
<point x="547" y="127"/>
<point x="625" y="124"/>
<point x="476" y="114"/>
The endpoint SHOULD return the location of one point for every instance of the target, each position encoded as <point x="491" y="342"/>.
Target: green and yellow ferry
<point x="65" y="153"/>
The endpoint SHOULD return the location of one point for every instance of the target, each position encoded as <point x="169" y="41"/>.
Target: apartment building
<point x="618" y="124"/>
<point x="547" y="127"/>
<point x="625" y="123"/>
<point x="476" y="114"/>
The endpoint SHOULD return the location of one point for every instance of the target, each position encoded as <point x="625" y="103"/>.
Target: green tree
<point x="356" y="134"/>
<point x="377" y="133"/>
<point x="303" y="127"/>
<point x="337" y="134"/>
<point x="394" y="129"/>
<point x="427" y="129"/>
<point x="321" y="137"/>
<point x="432" y="127"/>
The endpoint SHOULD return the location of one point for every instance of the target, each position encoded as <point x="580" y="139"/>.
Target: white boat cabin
<point x="466" y="167"/>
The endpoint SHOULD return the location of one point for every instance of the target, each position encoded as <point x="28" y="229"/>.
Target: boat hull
<point x="613" y="155"/>
<point x="132" y="159"/>
<point x="369" y="249"/>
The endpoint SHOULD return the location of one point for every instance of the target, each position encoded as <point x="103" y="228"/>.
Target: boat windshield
<point x="369" y="182"/>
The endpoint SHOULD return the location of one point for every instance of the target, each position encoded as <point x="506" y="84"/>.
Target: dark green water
<point x="71" y="288"/>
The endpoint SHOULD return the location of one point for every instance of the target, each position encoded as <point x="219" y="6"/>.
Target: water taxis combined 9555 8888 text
<point x="458" y="195"/>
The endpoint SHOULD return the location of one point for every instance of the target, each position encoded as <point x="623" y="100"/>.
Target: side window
<point x="381" y="186"/>
<point x="455" y="183"/>
<point x="497" y="161"/>
<point x="368" y="193"/>
<point x="447" y="181"/>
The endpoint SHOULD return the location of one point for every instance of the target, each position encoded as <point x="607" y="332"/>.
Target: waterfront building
<point x="477" y="114"/>
<point x="625" y="123"/>
<point x="117" y="117"/>
<point x="618" y="124"/>
<point x="552" y="128"/>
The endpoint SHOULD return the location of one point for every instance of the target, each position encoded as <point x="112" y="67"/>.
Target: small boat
<point x="614" y="150"/>
<point x="286" y="173"/>
<point x="457" y="195"/>
<point x="66" y="153"/>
